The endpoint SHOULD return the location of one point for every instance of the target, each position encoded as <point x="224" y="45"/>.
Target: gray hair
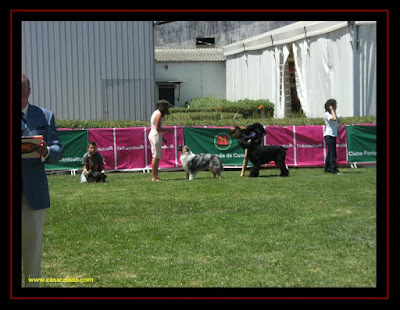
<point x="27" y="81"/>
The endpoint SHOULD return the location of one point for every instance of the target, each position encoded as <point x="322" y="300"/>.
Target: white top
<point x="331" y="125"/>
<point x="153" y="130"/>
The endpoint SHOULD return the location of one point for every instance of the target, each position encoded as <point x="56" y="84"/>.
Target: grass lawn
<point x="308" y="230"/>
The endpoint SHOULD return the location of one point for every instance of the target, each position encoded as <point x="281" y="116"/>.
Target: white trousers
<point x="32" y="235"/>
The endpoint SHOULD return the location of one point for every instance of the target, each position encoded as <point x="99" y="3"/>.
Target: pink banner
<point x="278" y="135"/>
<point x="341" y="147"/>
<point x="104" y="138"/>
<point x="170" y="155"/>
<point x="309" y="145"/>
<point x="305" y="144"/>
<point x="130" y="148"/>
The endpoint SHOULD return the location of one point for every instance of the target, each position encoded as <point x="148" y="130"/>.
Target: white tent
<point x="333" y="59"/>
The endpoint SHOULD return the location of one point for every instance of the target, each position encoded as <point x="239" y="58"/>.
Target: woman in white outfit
<point x="156" y="136"/>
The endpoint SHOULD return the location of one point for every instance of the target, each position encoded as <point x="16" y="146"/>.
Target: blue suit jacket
<point x="34" y="180"/>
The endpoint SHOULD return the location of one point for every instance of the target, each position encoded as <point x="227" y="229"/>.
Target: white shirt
<point x="153" y="130"/>
<point x="331" y="125"/>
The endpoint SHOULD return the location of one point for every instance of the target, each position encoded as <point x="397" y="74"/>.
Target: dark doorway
<point x="167" y="93"/>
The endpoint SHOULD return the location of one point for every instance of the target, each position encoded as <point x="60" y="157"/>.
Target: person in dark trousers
<point x="331" y="132"/>
<point x="254" y="132"/>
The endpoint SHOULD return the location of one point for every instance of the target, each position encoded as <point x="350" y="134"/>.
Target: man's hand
<point x="41" y="149"/>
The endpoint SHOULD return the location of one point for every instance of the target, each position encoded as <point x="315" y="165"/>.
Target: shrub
<point x="79" y="124"/>
<point x="203" y="115"/>
<point x="188" y="120"/>
<point x="209" y="103"/>
<point x="248" y="108"/>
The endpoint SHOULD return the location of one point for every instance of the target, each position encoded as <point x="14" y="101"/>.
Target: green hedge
<point x="78" y="124"/>
<point x="212" y="111"/>
<point x="202" y="116"/>
<point x="169" y="121"/>
<point x="248" y="108"/>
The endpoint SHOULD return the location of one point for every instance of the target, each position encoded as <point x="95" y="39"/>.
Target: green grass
<point x="308" y="230"/>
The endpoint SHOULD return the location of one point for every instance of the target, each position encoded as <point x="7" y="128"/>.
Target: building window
<point x="167" y="92"/>
<point x="205" y="42"/>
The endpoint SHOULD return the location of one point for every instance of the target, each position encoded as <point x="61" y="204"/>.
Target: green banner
<point x="75" y="145"/>
<point x="214" y="141"/>
<point x="361" y="144"/>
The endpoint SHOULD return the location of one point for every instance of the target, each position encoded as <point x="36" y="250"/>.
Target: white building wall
<point x="91" y="70"/>
<point x="199" y="79"/>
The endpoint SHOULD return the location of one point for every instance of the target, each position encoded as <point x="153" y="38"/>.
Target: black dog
<point x="259" y="155"/>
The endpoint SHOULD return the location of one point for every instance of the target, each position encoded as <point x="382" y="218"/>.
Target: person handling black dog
<point x="250" y="139"/>
<point x="254" y="132"/>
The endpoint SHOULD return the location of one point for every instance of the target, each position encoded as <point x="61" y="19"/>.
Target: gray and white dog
<point x="192" y="163"/>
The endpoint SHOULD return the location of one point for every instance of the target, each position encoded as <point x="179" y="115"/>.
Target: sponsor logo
<point x="130" y="148"/>
<point x="365" y="153"/>
<point x="222" y="141"/>
<point x="71" y="159"/>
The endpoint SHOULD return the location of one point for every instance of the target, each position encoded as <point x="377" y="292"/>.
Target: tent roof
<point x="284" y="35"/>
<point x="189" y="54"/>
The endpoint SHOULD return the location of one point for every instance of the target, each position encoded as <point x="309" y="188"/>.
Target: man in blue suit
<point x="35" y="190"/>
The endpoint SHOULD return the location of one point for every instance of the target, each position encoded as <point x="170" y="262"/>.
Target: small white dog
<point x="192" y="163"/>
